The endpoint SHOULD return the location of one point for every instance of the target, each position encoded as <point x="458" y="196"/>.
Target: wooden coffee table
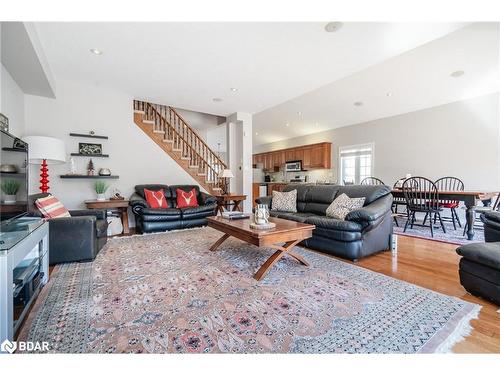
<point x="283" y="237"/>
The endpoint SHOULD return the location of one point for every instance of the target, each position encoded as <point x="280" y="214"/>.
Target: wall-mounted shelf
<point x="82" y="176"/>
<point x="90" y="156"/>
<point x="5" y="174"/>
<point x="88" y="136"/>
<point x="14" y="149"/>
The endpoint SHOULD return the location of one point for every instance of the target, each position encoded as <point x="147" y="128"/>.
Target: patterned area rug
<point x="454" y="236"/>
<point x="166" y="293"/>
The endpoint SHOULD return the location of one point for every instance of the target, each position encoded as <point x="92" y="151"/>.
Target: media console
<point x="24" y="269"/>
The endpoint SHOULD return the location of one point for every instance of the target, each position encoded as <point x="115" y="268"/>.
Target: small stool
<point x="479" y="269"/>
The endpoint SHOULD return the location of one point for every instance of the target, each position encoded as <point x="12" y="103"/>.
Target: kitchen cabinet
<point x="314" y="156"/>
<point x="275" y="186"/>
<point x="278" y="159"/>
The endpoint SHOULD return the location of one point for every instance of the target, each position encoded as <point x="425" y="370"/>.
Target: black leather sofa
<point x="78" y="238"/>
<point x="479" y="267"/>
<point x="363" y="232"/>
<point x="162" y="219"/>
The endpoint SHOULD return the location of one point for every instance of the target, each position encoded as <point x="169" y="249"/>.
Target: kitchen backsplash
<point x="318" y="175"/>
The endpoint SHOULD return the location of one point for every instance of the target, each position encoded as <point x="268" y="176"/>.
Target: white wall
<point x="239" y="145"/>
<point x="457" y="139"/>
<point x="12" y="103"/>
<point x="80" y="108"/>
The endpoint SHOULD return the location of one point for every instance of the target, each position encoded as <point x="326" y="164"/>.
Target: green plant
<point x="10" y="187"/>
<point x="100" y="187"/>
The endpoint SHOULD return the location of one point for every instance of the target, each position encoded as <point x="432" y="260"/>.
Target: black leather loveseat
<point x="78" y="238"/>
<point x="162" y="219"/>
<point x="363" y="232"/>
<point x="479" y="268"/>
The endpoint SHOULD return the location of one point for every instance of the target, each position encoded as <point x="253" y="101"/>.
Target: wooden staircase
<point x="174" y="136"/>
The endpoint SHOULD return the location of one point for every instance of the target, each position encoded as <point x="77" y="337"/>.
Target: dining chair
<point x="398" y="201"/>
<point x="421" y="195"/>
<point x="450" y="184"/>
<point x="372" y="181"/>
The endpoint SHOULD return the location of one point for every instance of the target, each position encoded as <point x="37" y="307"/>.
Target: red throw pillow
<point x="156" y="199"/>
<point x="186" y="199"/>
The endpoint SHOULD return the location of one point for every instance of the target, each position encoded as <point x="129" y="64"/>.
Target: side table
<point x="227" y="200"/>
<point x="120" y="205"/>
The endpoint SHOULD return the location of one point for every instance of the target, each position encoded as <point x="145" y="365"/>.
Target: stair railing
<point x="184" y="139"/>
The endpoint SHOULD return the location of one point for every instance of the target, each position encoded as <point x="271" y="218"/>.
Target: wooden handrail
<point x="185" y="141"/>
<point x="197" y="136"/>
<point x="168" y="120"/>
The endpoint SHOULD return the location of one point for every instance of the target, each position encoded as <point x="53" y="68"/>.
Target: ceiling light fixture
<point x="233" y="89"/>
<point x="299" y="113"/>
<point x="287" y="124"/>
<point x="332" y="27"/>
<point x="358" y="104"/>
<point x="217" y="99"/>
<point x="96" y="51"/>
<point x="256" y="133"/>
<point x="458" y="73"/>
<point x="389" y="94"/>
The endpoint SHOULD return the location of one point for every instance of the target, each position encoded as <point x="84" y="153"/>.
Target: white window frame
<point x="343" y="149"/>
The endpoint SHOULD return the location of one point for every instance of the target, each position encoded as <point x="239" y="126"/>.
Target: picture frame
<point x="89" y="148"/>
<point x="4" y="123"/>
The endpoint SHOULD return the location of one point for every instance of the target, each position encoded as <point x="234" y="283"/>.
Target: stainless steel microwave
<point x="293" y="166"/>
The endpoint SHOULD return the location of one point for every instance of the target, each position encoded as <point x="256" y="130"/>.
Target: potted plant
<point x="100" y="189"/>
<point x="10" y="188"/>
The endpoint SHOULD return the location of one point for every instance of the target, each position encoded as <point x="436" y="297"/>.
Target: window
<point x="356" y="163"/>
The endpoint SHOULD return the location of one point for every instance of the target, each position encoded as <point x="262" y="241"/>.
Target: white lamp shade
<point x="51" y="149"/>
<point x="226" y="173"/>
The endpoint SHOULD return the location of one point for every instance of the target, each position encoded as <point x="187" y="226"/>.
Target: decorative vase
<point x="101" y="197"/>
<point x="261" y="215"/>
<point x="9" y="198"/>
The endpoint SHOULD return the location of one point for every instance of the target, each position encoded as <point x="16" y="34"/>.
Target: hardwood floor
<point x="434" y="265"/>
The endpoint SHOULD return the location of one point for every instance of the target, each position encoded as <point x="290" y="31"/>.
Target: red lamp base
<point x="44" y="174"/>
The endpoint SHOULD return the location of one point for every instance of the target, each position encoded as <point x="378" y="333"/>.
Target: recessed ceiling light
<point x="388" y="94"/>
<point x="256" y="133"/>
<point x="233" y="89"/>
<point x="458" y="73"/>
<point x="287" y="124"/>
<point x="332" y="27"/>
<point x="358" y="104"/>
<point x="217" y="99"/>
<point x="96" y="51"/>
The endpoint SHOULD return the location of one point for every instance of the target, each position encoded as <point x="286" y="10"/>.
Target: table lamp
<point x="226" y="174"/>
<point x="45" y="151"/>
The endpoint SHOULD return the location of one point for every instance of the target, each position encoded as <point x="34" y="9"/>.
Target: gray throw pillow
<point x="286" y="202"/>
<point x="342" y="205"/>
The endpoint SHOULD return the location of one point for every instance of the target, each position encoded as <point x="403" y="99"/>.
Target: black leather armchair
<point x="149" y="219"/>
<point x="77" y="238"/>
<point x="479" y="267"/>
<point x="363" y="232"/>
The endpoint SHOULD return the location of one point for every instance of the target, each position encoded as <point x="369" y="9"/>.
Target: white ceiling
<point x="23" y="57"/>
<point x="187" y="64"/>
<point x="417" y="79"/>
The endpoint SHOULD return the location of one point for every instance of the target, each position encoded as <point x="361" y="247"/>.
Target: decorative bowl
<point x="8" y="168"/>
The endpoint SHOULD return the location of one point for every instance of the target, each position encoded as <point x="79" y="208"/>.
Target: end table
<point x="120" y="205"/>
<point x="227" y="200"/>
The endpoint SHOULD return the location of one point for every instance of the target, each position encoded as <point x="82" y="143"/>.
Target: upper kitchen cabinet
<point x="314" y="156"/>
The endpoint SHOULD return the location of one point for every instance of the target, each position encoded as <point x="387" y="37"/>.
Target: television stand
<point x="24" y="270"/>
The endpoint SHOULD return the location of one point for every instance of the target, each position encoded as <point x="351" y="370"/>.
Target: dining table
<point x="469" y="198"/>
